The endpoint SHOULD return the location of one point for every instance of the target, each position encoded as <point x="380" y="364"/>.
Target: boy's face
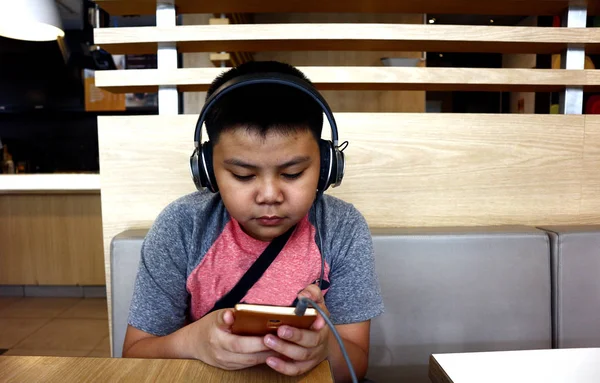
<point x="268" y="183"/>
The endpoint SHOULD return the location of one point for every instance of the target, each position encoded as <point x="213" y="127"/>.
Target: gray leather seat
<point x="458" y="290"/>
<point x="125" y="254"/>
<point x="576" y="277"/>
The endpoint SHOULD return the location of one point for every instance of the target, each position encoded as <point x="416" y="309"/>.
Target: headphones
<point x="332" y="157"/>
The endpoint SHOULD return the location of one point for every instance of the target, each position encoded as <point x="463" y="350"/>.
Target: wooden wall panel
<point x="403" y="169"/>
<point x="51" y="239"/>
<point x="590" y="192"/>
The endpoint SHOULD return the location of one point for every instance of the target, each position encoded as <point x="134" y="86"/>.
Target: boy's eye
<point x="242" y="178"/>
<point x="292" y="176"/>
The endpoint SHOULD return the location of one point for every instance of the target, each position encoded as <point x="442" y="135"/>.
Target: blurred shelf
<point x="49" y="183"/>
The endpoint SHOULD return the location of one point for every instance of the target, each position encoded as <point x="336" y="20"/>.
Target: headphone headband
<point x="265" y="78"/>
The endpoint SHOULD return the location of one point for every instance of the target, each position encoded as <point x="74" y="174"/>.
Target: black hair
<point x="263" y="108"/>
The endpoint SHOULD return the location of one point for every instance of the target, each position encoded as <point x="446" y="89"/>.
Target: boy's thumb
<point x="225" y="319"/>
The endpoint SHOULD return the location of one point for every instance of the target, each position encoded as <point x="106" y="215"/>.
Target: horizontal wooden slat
<point x="49" y="183"/>
<point x="367" y="78"/>
<point x="348" y="37"/>
<point x="496" y="7"/>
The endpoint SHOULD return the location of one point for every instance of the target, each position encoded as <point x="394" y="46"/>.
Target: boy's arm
<point x="140" y="344"/>
<point x="356" y="341"/>
<point x="160" y="303"/>
<point x="208" y="339"/>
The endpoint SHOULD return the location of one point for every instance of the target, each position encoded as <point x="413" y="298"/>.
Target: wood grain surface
<point x="75" y="369"/>
<point x="51" y="239"/>
<point x="368" y="78"/>
<point x="347" y="37"/>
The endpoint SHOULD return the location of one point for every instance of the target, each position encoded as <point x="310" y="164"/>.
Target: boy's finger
<point x="318" y="324"/>
<point x="244" y="344"/>
<point x="312" y="292"/>
<point x="291" y="350"/>
<point x="225" y="320"/>
<point x="304" y="338"/>
<point x="291" y="368"/>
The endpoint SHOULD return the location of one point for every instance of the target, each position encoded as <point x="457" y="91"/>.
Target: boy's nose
<point x="269" y="193"/>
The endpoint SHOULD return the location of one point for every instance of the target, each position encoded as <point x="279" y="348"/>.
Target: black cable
<point x="321" y="250"/>
<point x="301" y="309"/>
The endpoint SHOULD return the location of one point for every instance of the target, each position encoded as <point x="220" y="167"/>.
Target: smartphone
<point x="263" y="319"/>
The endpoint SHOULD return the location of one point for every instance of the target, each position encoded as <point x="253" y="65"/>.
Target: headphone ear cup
<point x="197" y="174"/>
<point x="327" y="169"/>
<point x="339" y="166"/>
<point x="207" y="170"/>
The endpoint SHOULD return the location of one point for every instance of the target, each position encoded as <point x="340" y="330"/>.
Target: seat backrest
<point x="576" y="283"/>
<point x="125" y="253"/>
<point x="457" y="290"/>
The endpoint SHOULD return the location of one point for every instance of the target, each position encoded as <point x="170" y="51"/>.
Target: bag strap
<point x="258" y="268"/>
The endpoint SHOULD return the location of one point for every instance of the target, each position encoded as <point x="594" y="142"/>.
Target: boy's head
<point x="263" y="108"/>
<point x="266" y="156"/>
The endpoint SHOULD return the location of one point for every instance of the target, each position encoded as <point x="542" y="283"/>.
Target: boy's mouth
<point x="269" y="220"/>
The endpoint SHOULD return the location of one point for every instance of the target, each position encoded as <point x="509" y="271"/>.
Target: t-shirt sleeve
<point x="354" y="294"/>
<point x="160" y="299"/>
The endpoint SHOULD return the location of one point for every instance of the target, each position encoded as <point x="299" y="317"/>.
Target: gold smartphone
<point x="262" y="319"/>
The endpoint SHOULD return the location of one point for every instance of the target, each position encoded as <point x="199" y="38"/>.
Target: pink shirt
<point x="231" y="255"/>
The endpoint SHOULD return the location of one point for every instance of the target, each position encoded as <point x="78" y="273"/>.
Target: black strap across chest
<point x="258" y="268"/>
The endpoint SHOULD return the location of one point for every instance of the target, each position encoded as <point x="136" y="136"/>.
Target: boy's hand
<point x="304" y="348"/>
<point x="213" y="343"/>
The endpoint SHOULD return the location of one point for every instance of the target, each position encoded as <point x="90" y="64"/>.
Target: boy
<point x="266" y="163"/>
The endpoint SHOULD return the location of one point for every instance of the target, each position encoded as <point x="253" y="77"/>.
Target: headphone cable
<point x="301" y="309"/>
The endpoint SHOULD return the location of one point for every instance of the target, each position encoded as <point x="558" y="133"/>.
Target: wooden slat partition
<point x="348" y="36"/>
<point x="230" y="59"/>
<point x="368" y="78"/>
<point x="497" y="7"/>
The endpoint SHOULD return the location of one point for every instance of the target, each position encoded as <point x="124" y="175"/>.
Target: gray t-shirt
<point x="195" y="253"/>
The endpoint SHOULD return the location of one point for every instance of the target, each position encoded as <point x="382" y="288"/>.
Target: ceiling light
<point x="432" y="20"/>
<point x="35" y="20"/>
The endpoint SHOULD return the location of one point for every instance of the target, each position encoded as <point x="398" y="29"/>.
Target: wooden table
<point x="74" y="369"/>
<point x="581" y="365"/>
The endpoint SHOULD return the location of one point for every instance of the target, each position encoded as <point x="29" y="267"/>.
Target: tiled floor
<point x="54" y="327"/>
